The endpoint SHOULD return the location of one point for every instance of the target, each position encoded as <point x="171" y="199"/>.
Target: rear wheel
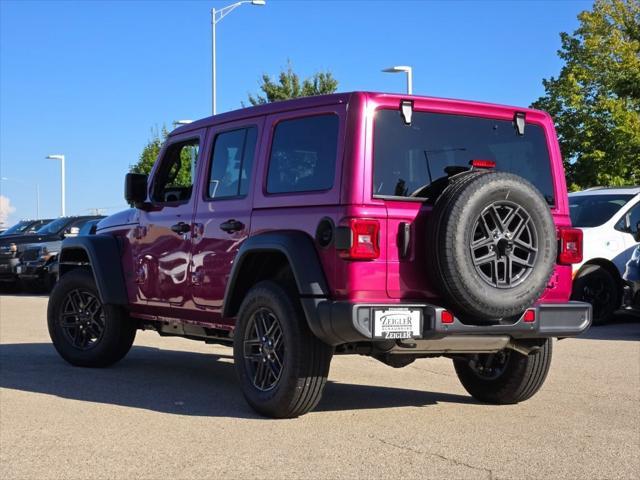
<point x="281" y="366"/>
<point x="504" y="377"/>
<point x="85" y="332"/>
<point x="594" y="284"/>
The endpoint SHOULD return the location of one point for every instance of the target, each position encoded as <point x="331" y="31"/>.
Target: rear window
<point x="407" y="158"/>
<point x="594" y="210"/>
<point x="303" y="155"/>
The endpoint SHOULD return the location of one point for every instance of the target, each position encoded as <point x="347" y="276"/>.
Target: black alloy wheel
<point x="84" y="331"/>
<point x="82" y="319"/>
<point x="282" y="367"/>
<point x="504" y="244"/>
<point x="264" y="349"/>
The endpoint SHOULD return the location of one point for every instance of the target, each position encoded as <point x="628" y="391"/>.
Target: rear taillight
<point x="365" y="241"/>
<point x="570" y="248"/>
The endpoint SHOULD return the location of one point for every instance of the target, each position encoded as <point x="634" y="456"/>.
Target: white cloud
<point x="6" y="209"/>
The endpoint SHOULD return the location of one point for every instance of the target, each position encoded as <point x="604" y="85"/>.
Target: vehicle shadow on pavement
<point x="176" y="382"/>
<point x="623" y="326"/>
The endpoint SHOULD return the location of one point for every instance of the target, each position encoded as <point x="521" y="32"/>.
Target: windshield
<point x="407" y="158"/>
<point x="24" y="227"/>
<point x="594" y="210"/>
<point x="17" y="228"/>
<point x="53" y="227"/>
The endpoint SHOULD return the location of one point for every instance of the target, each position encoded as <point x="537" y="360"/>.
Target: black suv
<point x="38" y="268"/>
<point x="13" y="246"/>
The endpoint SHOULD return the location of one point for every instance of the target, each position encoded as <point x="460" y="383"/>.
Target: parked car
<point x="24" y="227"/>
<point x="399" y="227"/>
<point x="631" y="277"/>
<point x="12" y="247"/>
<point x="609" y="220"/>
<point x="38" y="268"/>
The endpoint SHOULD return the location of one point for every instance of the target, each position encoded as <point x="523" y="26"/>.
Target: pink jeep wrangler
<point x="399" y="227"/>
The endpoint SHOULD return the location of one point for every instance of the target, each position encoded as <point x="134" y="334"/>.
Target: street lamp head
<point x="55" y="157"/>
<point x="182" y="122"/>
<point x="260" y="3"/>
<point x="397" y="69"/>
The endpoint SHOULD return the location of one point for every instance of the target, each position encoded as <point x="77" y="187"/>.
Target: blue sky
<point x="91" y="79"/>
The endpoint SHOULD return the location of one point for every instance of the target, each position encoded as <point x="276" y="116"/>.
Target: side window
<point x="634" y="217"/>
<point x="303" y="155"/>
<point x="174" y="180"/>
<point x="233" y="152"/>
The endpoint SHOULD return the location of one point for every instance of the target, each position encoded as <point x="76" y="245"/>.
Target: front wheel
<point x="281" y="366"/>
<point x="85" y="332"/>
<point x="505" y="377"/>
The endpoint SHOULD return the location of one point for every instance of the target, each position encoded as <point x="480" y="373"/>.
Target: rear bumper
<point x="339" y="322"/>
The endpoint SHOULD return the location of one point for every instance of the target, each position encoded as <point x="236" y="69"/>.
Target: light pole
<point x="5" y="179"/>
<point x="61" y="158"/>
<point x="216" y="16"/>
<point x="403" y="68"/>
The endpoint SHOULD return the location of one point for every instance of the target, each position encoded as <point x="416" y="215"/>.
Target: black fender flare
<point x="101" y="253"/>
<point x="299" y="250"/>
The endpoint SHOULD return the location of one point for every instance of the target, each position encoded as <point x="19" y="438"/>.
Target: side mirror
<point x="135" y="188"/>
<point x="72" y="232"/>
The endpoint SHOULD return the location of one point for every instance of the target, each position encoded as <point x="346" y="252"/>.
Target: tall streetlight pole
<point x="406" y="69"/>
<point x="5" y="179"/>
<point x="61" y="158"/>
<point x="216" y="16"/>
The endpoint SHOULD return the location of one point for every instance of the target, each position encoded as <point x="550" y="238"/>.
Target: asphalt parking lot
<point x="172" y="409"/>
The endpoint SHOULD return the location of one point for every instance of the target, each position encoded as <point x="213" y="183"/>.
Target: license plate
<point x="18" y="269"/>
<point x="397" y="323"/>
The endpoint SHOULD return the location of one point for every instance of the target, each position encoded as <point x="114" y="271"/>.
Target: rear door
<point x="223" y="215"/>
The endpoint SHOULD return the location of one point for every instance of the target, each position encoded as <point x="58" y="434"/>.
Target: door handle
<point x="231" y="226"/>
<point x="181" y="228"/>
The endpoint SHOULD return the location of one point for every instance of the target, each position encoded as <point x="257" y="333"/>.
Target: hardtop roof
<point x="319" y="101"/>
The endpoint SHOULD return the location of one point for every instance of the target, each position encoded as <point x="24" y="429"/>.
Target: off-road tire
<point x="306" y="359"/>
<point x="117" y="333"/>
<point x="597" y="280"/>
<point x="450" y="233"/>
<point x="521" y="378"/>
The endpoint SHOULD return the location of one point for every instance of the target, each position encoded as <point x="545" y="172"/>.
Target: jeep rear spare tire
<point x="492" y="245"/>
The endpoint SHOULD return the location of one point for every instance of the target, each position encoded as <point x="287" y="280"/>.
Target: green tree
<point x="150" y="152"/>
<point x="180" y="177"/>
<point x="595" y="101"/>
<point x="289" y="86"/>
